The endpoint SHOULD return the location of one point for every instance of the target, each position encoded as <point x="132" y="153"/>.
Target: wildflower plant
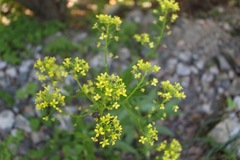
<point x="112" y="102"/>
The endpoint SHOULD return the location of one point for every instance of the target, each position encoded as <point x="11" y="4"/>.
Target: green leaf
<point x="164" y="130"/>
<point x="126" y="147"/>
<point x="35" y="123"/>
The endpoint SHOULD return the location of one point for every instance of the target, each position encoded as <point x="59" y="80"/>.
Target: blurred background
<point x="202" y="53"/>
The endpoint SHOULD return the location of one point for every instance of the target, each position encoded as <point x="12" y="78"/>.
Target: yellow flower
<point x="154" y="82"/>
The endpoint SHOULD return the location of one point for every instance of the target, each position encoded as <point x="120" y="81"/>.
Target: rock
<point x="38" y="137"/>
<point x="25" y="66"/>
<point x="225" y="130"/>
<point x="236" y="100"/>
<point x="194" y="70"/>
<point x="183" y="70"/>
<point x="185" y="56"/>
<point x="171" y="64"/>
<point x="214" y="70"/>
<point x="2" y="74"/>
<point x="65" y="123"/>
<point x="12" y="72"/>
<point x="97" y="62"/>
<point x="135" y="15"/>
<point x="3" y="65"/>
<point x="200" y="64"/>
<point x="185" y="82"/>
<point x="207" y="77"/>
<point x="79" y="37"/>
<point x="207" y="108"/>
<point x="124" y="54"/>
<point x="223" y="64"/>
<point x="234" y="88"/>
<point x="22" y="123"/>
<point x="6" y="120"/>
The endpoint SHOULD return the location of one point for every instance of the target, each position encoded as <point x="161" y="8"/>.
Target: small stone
<point x="227" y="27"/>
<point x="194" y="70"/>
<point x="207" y="77"/>
<point x="236" y="100"/>
<point x="65" y="123"/>
<point x="224" y="65"/>
<point x="1" y="74"/>
<point x="214" y="70"/>
<point x="135" y="15"/>
<point x="234" y="88"/>
<point x="98" y="61"/>
<point x="200" y="64"/>
<point x="38" y="137"/>
<point x="171" y="64"/>
<point x="22" y="123"/>
<point x="207" y="108"/>
<point x="185" y="56"/>
<point x="6" y="120"/>
<point x="183" y="70"/>
<point x="25" y="66"/>
<point x="124" y="54"/>
<point x="185" y="82"/>
<point x="11" y="72"/>
<point x="231" y="74"/>
<point x="79" y="37"/>
<point x="3" y="65"/>
<point x="225" y="130"/>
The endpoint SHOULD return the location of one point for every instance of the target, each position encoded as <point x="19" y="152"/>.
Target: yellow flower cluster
<point x="107" y="90"/>
<point x="143" y="39"/>
<point x="168" y="6"/>
<point x="107" y="25"/>
<point x="108" y="20"/>
<point x="143" y="68"/>
<point x="108" y="130"/>
<point x="150" y="136"/>
<point x="49" y="97"/>
<point x="48" y="69"/>
<point x="170" y="151"/>
<point x="79" y="67"/>
<point x="168" y="92"/>
<point x="171" y="91"/>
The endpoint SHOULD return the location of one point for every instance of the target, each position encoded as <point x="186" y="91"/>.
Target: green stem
<point x="135" y="89"/>
<point x="106" y="52"/>
<point x="160" y="37"/>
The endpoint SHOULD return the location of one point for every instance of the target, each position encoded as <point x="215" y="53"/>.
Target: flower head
<point x="108" y="130"/>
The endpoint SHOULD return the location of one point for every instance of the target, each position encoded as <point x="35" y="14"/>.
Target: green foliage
<point x="60" y="46"/>
<point x="10" y="146"/>
<point x="22" y="31"/>
<point x="7" y="98"/>
<point x="65" y="145"/>
<point x="29" y="89"/>
<point x="230" y="103"/>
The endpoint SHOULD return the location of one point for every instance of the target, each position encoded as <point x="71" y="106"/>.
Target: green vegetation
<point x="23" y="31"/>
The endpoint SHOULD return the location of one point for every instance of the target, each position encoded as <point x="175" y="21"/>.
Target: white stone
<point x="23" y="123"/>
<point x="124" y="54"/>
<point x="2" y="65"/>
<point x="236" y="100"/>
<point x="200" y="64"/>
<point x="183" y="70"/>
<point x="12" y="72"/>
<point x="224" y="130"/>
<point x="79" y="37"/>
<point x="207" y="77"/>
<point x="6" y="119"/>
<point x="25" y="66"/>
<point x="185" y="56"/>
